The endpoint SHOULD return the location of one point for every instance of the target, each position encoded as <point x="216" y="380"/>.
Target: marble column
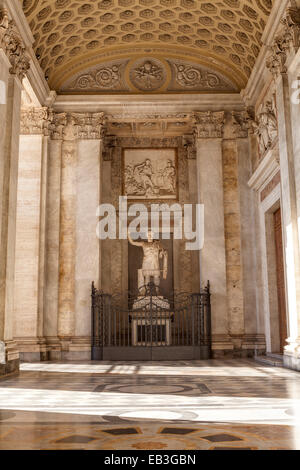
<point x="30" y="234"/>
<point x="209" y="133"/>
<point x="67" y="241"/>
<point x="14" y="64"/>
<point x="290" y="219"/>
<point x="87" y="253"/>
<point x="50" y="321"/>
<point x="240" y="236"/>
<point x="233" y="242"/>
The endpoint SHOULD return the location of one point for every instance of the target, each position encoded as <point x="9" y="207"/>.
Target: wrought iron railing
<point x="145" y="320"/>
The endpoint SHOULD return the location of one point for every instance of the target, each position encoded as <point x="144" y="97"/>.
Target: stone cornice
<point x="267" y="168"/>
<point x="13" y="46"/>
<point x="113" y="105"/>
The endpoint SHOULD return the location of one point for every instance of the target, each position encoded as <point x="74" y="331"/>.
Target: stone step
<point x="270" y="360"/>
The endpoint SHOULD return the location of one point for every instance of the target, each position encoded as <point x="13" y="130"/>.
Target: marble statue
<point x="266" y="129"/>
<point x="153" y="254"/>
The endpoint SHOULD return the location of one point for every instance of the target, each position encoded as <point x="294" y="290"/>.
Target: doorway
<point x="280" y="279"/>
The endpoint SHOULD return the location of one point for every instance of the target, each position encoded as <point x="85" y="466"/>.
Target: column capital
<point x="241" y="124"/>
<point x="286" y="41"/>
<point x="72" y="126"/>
<point x="35" y="121"/>
<point x="91" y="125"/>
<point x="209" y="124"/>
<point x="13" y="46"/>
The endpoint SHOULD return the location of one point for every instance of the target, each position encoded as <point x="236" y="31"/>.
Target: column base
<point x="291" y="357"/>
<point x="54" y="349"/>
<point x="10" y="361"/>
<point x="32" y="349"/>
<point x="243" y="346"/>
<point x="11" y="367"/>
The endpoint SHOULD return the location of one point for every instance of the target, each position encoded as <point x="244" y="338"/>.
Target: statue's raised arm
<point x="133" y="242"/>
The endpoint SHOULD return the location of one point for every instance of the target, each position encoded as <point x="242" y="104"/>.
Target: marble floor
<point x="233" y="404"/>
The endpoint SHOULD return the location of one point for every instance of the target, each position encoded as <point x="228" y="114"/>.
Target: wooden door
<point x="280" y="279"/>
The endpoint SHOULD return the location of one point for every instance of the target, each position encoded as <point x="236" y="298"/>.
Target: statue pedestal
<point x="151" y="322"/>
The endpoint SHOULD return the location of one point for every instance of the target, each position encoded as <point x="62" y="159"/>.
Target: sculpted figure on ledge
<point x="266" y="128"/>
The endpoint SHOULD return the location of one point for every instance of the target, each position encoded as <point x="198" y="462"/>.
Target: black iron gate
<point x="149" y="327"/>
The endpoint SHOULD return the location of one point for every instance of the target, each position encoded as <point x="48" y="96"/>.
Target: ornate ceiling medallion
<point x="148" y="74"/>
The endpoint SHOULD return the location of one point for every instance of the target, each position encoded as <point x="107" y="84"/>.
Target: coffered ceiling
<point x="147" y="45"/>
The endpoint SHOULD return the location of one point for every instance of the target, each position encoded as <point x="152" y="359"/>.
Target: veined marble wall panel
<point x="52" y="239"/>
<point x="248" y="237"/>
<point x="213" y="256"/>
<point x="295" y="112"/>
<point x="235" y="299"/>
<point x="9" y="203"/>
<point x="28" y="236"/>
<point x="4" y="75"/>
<point x="87" y="244"/>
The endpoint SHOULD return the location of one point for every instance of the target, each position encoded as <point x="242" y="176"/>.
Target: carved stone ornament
<point x="242" y="123"/>
<point x="266" y="128"/>
<point x="35" y="121"/>
<point x="192" y="77"/>
<point x="13" y="46"/>
<point x="148" y="75"/>
<point x="285" y="41"/>
<point x="190" y="145"/>
<point x="107" y="77"/>
<point x="110" y="142"/>
<point x="209" y="124"/>
<point x="91" y="125"/>
<point x="69" y="127"/>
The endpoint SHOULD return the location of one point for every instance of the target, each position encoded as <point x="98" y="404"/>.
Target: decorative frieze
<point x="209" y="125"/>
<point x="13" y="46"/>
<point x="149" y="74"/>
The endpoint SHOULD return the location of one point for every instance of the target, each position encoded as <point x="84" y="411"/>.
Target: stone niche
<point x="118" y="258"/>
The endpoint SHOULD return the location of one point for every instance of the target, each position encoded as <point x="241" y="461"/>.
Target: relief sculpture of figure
<point x="169" y="174"/>
<point x="143" y="174"/>
<point x="266" y="129"/>
<point x="153" y="253"/>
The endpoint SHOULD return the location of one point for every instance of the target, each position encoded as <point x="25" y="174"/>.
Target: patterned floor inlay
<point x="208" y="405"/>
<point x="75" y="440"/>
<point x="221" y="438"/>
<point x="121" y="431"/>
<point x="179" y="431"/>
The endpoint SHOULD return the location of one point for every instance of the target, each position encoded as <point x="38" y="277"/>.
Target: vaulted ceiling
<point x="147" y="45"/>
